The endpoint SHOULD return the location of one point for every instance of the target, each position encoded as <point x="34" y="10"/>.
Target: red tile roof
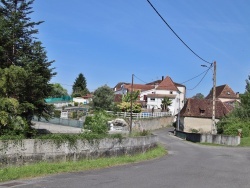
<point x="203" y="108"/>
<point x="167" y="84"/>
<point x="223" y="91"/>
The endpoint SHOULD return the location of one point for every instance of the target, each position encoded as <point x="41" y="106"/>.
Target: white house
<point x="152" y="94"/>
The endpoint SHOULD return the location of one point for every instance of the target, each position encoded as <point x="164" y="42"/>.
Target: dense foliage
<point x="103" y="98"/>
<point x="239" y="119"/>
<point x="58" y="91"/>
<point x="98" y="123"/>
<point x="25" y="71"/>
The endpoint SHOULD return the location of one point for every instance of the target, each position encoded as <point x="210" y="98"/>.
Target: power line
<point x="194" y="77"/>
<point x="176" y="33"/>
<point x="140" y="79"/>
<point x="201" y="78"/>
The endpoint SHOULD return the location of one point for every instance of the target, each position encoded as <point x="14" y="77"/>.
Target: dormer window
<point x="202" y="112"/>
<point x="228" y="93"/>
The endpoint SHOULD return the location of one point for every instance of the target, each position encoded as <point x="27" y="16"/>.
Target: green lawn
<point x="44" y="168"/>
<point x="245" y="142"/>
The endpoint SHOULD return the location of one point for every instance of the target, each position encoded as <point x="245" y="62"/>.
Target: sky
<point x="109" y="41"/>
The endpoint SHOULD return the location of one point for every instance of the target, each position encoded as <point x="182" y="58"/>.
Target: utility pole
<point x="131" y="104"/>
<point x="214" y="131"/>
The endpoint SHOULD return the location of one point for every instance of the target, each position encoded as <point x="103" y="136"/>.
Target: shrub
<point x="57" y="113"/>
<point x="98" y="123"/>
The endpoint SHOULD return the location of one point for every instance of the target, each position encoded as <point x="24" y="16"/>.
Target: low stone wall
<point x="32" y="150"/>
<point x="152" y="123"/>
<point x="209" y="138"/>
<point x="220" y="139"/>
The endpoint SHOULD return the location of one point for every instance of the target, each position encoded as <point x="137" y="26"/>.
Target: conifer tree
<point x="80" y="86"/>
<point x="20" y="48"/>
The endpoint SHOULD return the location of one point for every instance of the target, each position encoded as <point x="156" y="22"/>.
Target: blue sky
<point x="108" y="41"/>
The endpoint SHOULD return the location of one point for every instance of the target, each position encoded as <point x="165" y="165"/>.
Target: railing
<point x="61" y="121"/>
<point x="141" y="115"/>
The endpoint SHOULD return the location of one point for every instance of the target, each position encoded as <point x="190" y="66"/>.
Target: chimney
<point x="162" y="78"/>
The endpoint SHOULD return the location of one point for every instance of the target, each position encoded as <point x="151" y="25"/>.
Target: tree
<point x="20" y="48"/>
<point x="58" y="91"/>
<point x="80" y="86"/>
<point x="165" y="103"/>
<point x="198" y="96"/>
<point x="103" y="98"/>
<point x="127" y="97"/>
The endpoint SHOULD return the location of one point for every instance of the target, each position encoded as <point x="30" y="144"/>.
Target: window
<point x="202" y="112"/>
<point x="152" y="99"/>
<point x="171" y="92"/>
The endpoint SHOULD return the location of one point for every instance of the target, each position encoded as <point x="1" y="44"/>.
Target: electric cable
<point x="176" y="33"/>
<point x="201" y="78"/>
<point x="194" y="77"/>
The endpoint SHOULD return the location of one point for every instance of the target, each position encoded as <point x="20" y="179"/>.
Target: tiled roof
<point x="140" y="87"/>
<point x="203" y="108"/>
<point x="167" y="84"/>
<point x="223" y="91"/>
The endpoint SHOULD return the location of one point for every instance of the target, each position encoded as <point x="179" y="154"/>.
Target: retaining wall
<point x="32" y="150"/>
<point x="209" y="138"/>
<point x="152" y="123"/>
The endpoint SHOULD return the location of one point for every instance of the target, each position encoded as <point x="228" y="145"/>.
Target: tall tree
<point x="20" y="48"/>
<point x="80" y="86"/>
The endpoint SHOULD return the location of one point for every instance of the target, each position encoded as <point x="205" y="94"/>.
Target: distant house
<point x="59" y="102"/>
<point x="84" y="99"/>
<point x="152" y="94"/>
<point x="224" y="93"/>
<point x="197" y="114"/>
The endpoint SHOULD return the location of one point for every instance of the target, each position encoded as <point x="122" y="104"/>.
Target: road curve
<point x="187" y="165"/>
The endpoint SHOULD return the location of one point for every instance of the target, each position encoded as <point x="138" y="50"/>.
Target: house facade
<point x="197" y="113"/>
<point x="152" y="94"/>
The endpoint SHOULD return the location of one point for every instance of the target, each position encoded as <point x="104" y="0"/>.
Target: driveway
<point x="187" y="165"/>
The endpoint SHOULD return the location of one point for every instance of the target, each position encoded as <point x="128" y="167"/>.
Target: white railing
<point x="141" y="115"/>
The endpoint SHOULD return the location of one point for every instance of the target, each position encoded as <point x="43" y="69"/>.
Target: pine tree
<point x="80" y="86"/>
<point x="19" y="47"/>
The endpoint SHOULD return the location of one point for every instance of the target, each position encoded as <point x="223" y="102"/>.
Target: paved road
<point x="187" y="165"/>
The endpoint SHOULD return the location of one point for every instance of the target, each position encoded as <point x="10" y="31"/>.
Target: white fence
<point x="141" y="115"/>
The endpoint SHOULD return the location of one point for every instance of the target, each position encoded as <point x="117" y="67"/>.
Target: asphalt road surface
<point x="187" y="165"/>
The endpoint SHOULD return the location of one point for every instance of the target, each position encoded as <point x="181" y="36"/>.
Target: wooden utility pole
<point x="214" y="131"/>
<point x="131" y="104"/>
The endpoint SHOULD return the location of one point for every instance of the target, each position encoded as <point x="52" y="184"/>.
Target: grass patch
<point x="45" y="168"/>
<point x="245" y="142"/>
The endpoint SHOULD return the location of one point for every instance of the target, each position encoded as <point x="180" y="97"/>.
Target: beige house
<point x="197" y="113"/>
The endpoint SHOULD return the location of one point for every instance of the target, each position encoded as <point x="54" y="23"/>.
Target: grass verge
<point x="245" y="142"/>
<point x="44" y="168"/>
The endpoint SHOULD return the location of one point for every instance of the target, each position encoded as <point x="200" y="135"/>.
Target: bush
<point x="98" y="123"/>
<point x="76" y="103"/>
<point x="231" y="124"/>
<point x="57" y="113"/>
